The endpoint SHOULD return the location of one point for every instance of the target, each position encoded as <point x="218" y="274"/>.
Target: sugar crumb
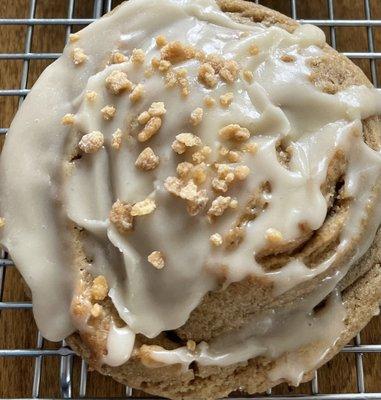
<point x="138" y="56"/>
<point x="120" y="216"/>
<point x="226" y="99"/>
<point x="108" y="112"/>
<point x="144" y="207"/>
<point x="196" y="116"/>
<point x="78" y="56"/>
<point x="91" y="142"/>
<point x="150" y="129"/>
<point x="118" y="82"/>
<point x="137" y="93"/>
<point x="68" y="119"/>
<point x="99" y="288"/>
<point x="147" y="160"/>
<point x="156" y="258"/>
<point x="116" y="140"/>
<point x="216" y="239"/>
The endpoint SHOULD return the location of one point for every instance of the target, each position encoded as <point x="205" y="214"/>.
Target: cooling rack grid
<point x="32" y="34"/>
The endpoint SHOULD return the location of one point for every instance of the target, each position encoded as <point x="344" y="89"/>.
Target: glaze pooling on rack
<point x="281" y="103"/>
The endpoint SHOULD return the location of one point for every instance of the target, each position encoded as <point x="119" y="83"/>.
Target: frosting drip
<point x="275" y="102"/>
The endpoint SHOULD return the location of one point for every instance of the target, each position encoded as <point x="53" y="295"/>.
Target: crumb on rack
<point x="150" y="129"/>
<point x="91" y="142"/>
<point x="108" y="112"/>
<point x="156" y="258"/>
<point x="137" y="93"/>
<point x="116" y="140"/>
<point x="73" y="37"/>
<point x="226" y="99"/>
<point x="196" y="116"/>
<point x="68" y="119"/>
<point x="99" y="288"/>
<point x="118" y="82"/>
<point x="216" y="239"/>
<point x="78" y="56"/>
<point x="147" y="160"/>
<point x="138" y="56"/>
<point x="120" y="216"/>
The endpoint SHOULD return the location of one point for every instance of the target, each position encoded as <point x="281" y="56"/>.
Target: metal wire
<point x="65" y="354"/>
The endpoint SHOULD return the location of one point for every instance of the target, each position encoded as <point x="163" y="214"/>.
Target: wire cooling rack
<point x="34" y="368"/>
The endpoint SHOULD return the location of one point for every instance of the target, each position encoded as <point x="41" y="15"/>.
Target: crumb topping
<point x="156" y="258"/>
<point x="196" y="116"/>
<point x="229" y="71"/>
<point x="219" y="206"/>
<point x="91" y="142"/>
<point x="157" y="109"/>
<point x="176" y="52"/>
<point x="191" y="345"/>
<point x="99" y="288"/>
<point x="207" y="76"/>
<point x="248" y="75"/>
<point x="137" y="93"/>
<point x="150" y="129"/>
<point x="147" y="160"/>
<point x="287" y="58"/>
<point x="118" y="82"/>
<point x="108" y="112"/>
<point x="216" y="239"/>
<point x="73" y="37"/>
<point x="144" y="207"/>
<point x="234" y="132"/>
<point x="226" y="99"/>
<point x="120" y="216"/>
<point x="138" y="56"/>
<point x="273" y="236"/>
<point x="209" y="101"/>
<point x="78" y="56"/>
<point x="96" y="310"/>
<point x="118" y="58"/>
<point x="241" y="172"/>
<point x="144" y="117"/>
<point x="161" y="41"/>
<point x="116" y="140"/>
<point x="184" y="140"/>
<point x="68" y="119"/>
<point x="91" y="96"/>
<point x="2" y="222"/>
<point x="253" y="50"/>
<point x="251" y="148"/>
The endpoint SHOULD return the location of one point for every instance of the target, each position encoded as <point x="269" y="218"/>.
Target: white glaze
<point x="280" y="103"/>
<point x="120" y="343"/>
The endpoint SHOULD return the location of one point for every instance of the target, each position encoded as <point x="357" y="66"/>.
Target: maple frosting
<point x="177" y="113"/>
